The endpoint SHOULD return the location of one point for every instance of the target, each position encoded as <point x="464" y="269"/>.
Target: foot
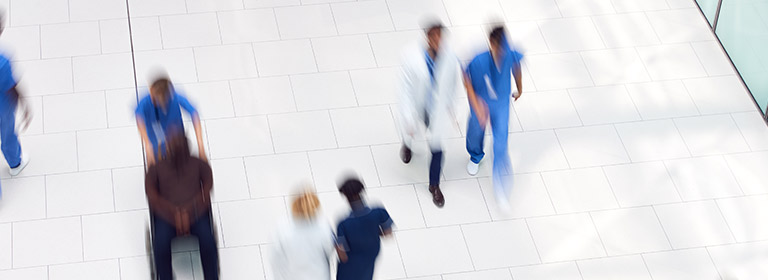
<point x="503" y="204"/>
<point x="24" y="161"/>
<point x="437" y="196"/>
<point x="405" y="154"/>
<point x="473" y="168"/>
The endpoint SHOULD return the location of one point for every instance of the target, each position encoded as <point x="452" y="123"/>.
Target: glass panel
<point x="743" y="30"/>
<point x="709" y="7"/>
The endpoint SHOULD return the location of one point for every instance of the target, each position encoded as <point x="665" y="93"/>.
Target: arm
<point x="158" y="205"/>
<point x="184" y="102"/>
<point x="518" y="73"/>
<point x="385" y="223"/>
<point x="406" y="98"/>
<point x="341" y="244"/>
<point x="477" y="104"/>
<point x="516" y="69"/>
<point x="148" y="148"/>
<point x="21" y="102"/>
<point x="203" y="199"/>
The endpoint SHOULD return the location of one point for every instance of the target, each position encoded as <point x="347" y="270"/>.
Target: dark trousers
<point x="164" y="233"/>
<point x="434" y="168"/>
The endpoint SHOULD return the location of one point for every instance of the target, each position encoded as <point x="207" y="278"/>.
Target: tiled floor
<point x="639" y="155"/>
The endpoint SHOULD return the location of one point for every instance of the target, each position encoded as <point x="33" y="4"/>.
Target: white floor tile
<point x="145" y="34"/>
<point x="571" y="34"/>
<point x="323" y="91"/>
<point x="713" y="58"/>
<point x="528" y="198"/>
<point x="401" y="203"/>
<point x="79" y="193"/>
<point x="290" y="131"/>
<point x="617" y="66"/>
<point x="546" y="110"/>
<point x="362" y="17"/>
<point x="558" y="71"/>
<point x="240" y="261"/>
<point x="694" y="224"/>
<point x="498" y="274"/>
<point x="600" y="105"/>
<point x="329" y="166"/>
<point x="212" y="99"/>
<point x="364" y="126"/>
<point x="245" y="136"/>
<point x="740" y="261"/>
<point x="456" y="157"/>
<point x="143" y="8"/>
<point x="6" y="244"/>
<point x="680" y="25"/>
<point x="250" y="222"/>
<point x="388" y="47"/>
<point x="748" y="169"/>
<point x="527" y="37"/>
<point x="106" y="270"/>
<point x="641" y="184"/>
<point x="575" y="8"/>
<point x="375" y="86"/>
<point x="634" y="6"/>
<point x="100" y="233"/>
<point x="114" y="71"/>
<point x="467" y="41"/>
<point x="666" y="62"/>
<point x="703" y="178"/>
<point x="580" y="241"/>
<point x="35" y="273"/>
<point x="464" y="203"/>
<point x="71" y="112"/>
<point x="683" y="264"/>
<point x="278" y="175"/>
<point x="659" y="100"/>
<point x="743" y="216"/>
<point x="408" y="14"/>
<point x="192" y="30"/>
<point x="35" y="104"/>
<point x="229" y="180"/>
<point x="392" y="171"/>
<point x="500" y="244"/>
<point x="592" y="146"/>
<point x="305" y="21"/>
<point x="115" y="36"/>
<point x="708" y="95"/>
<point x="389" y="264"/>
<point x="195" y="6"/>
<point x="677" y="4"/>
<point x="35" y="12"/>
<point x="630" y="231"/>
<point x="579" y="190"/>
<point x="562" y="271"/>
<point x="21" y="43"/>
<point x="626" y="30"/>
<point x="251" y="4"/>
<point x="530" y="10"/>
<point x="285" y="57"/>
<point x="83" y="10"/>
<point x="95" y="148"/>
<point x="24" y="199"/>
<point x="627" y="267"/>
<point x="343" y="53"/>
<point x="42" y="77"/>
<point x="225" y="62"/>
<point x="248" y="26"/>
<point x="136" y="268"/>
<point x="472" y="13"/>
<point x="753" y="129"/>
<point x="425" y="252"/>
<point x="50" y="153"/>
<point x="262" y="96"/>
<point x="711" y="135"/>
<point x="652" y="140"/>
<point x="535" y="151"/>
<point x="179" y="64"/>
<point x="128" y="185"/>
<point x="34" y="242"/>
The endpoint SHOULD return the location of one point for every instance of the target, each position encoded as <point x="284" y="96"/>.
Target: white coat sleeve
<point x="406" y="98"/>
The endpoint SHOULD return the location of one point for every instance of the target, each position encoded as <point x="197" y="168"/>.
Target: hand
<point x="182" y="222"/>
<point x="517" y="95"/>
<point x="26" y="118"/>
<point x="201" y="155"/>
<point x="481" y="112"/>
<point x="150" y="157"/>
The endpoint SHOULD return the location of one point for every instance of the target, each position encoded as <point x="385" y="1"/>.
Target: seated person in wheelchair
<point x="179" y="194"/>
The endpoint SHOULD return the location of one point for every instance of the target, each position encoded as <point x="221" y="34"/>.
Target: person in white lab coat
<point x="429" y="80"/>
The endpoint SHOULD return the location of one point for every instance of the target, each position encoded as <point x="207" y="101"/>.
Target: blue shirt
<point x="359" y="235"/>
<point x="7" y="82"/>
<point x="492" y="82"/>
<point x="157" y="121"/>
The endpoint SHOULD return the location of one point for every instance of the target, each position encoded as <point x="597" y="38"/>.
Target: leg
<point x="162" y="235"/>
<point x="209" y="254"/>
<point x="10" y="141"/>
<point x="502" y="168"/>
<point x="475" y="135"/>
<point x="435" y="166"/>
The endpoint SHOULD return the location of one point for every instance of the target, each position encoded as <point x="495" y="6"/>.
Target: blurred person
<point x="10" y="99"/>
<point x="157" y="112"/>
<point x="429" y="78"/>
<point x="359" y="235"/>
<point x="179" y="194"/>
<point x="303" y="247"/>
<point x="489" y="85"/>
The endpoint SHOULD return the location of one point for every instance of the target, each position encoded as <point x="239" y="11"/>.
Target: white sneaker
<point x="24" y="161"/>
<point x="472" y="168"/>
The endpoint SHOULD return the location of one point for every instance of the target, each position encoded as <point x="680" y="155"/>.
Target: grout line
<point x="466" y="246"/>
<point x="375" y="166"/>
<point x="719" y="210"/>
<point x="530" y="233"/>
<point x="709" y="254"/>
<point x="658" y="219"/>
<point x="592" y="219"/>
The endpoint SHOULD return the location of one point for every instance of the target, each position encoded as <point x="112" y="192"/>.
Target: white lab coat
<point x="416" y="86"/>
<point x="302" y="250"/>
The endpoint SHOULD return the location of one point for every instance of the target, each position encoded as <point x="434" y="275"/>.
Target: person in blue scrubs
<point x="159" y="111"/>
<point x="359" y="235"/>
<point x="489" y="87"/>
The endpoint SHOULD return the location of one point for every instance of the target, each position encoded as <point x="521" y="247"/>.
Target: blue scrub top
<point x="359" y="235"/>
<point x="155" y="119"/>
<point x="7" y="82"/>
<point x="489" y="81"/>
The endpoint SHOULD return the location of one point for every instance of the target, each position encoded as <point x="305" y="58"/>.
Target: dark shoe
<point x="405" y="154"/>
<point x="437" y="196"/>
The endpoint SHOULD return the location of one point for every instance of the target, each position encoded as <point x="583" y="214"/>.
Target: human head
<point x="434" y="33"/>
<point x="351" y="189"/>
<point x="495" y="37"/>
<point x="177" y="145"/>
<point x="305" y="206"/>
<point x="160" y="91"/>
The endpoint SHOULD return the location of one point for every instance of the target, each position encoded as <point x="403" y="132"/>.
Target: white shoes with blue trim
<point x="24" y="161"/>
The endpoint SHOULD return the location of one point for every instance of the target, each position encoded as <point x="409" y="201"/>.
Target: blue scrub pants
<point x="10" y="141"/>
<point x="499" y="118"/>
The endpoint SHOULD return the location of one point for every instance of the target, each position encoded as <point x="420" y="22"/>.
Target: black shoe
<point x="437" y="196"/>
<point x="405" y="154"/>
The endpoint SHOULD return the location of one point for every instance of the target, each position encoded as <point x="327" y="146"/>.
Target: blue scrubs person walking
<point x="160" y="111"/>
<point x="489" y="86"/>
